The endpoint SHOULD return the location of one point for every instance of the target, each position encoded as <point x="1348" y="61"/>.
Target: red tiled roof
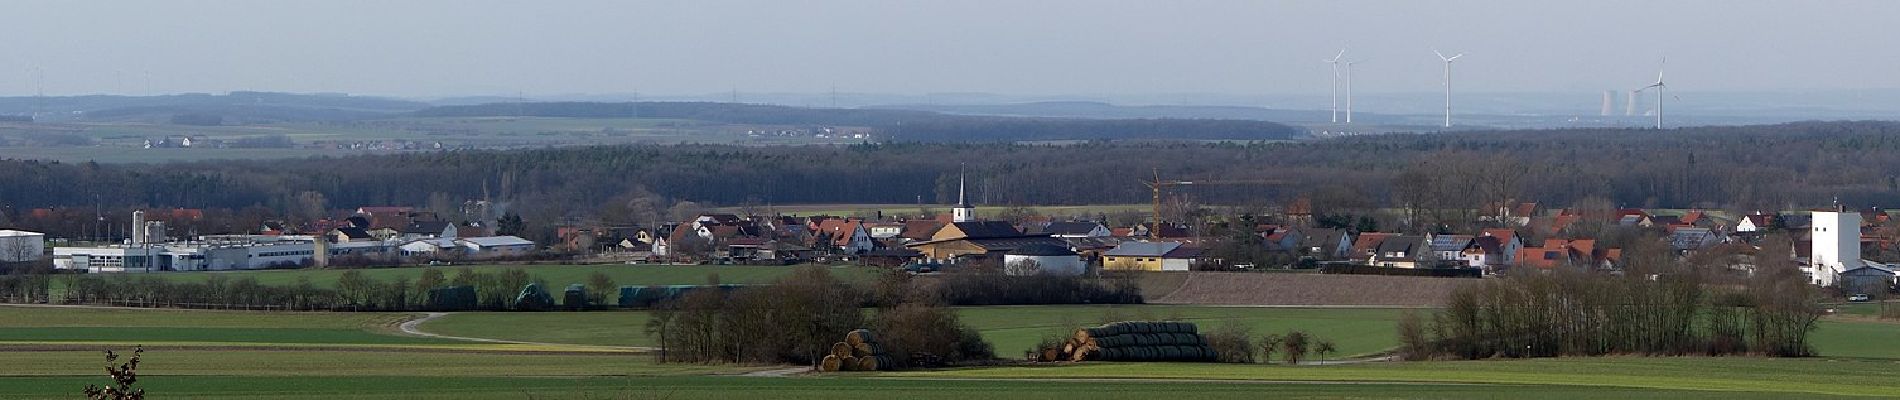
<point x="1369" y="241"/>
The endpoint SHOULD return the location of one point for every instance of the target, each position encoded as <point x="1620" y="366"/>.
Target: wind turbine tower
<point x="1447" y="60"/>
<point x="1349" y="91"/>
<point x="1609" y="103"/>
<point x="1660" y="87"/>
<point x="1335" y="87"/>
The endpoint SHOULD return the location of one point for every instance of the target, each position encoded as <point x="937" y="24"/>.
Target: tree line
<point x="1434" y="177"/>
<point x="1657" y="307"/>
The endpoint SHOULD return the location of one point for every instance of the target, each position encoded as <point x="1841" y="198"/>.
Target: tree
<point x="510" y="225"/>
<point x="598" y="285"/>
<point x="1323" y="347"/>
<point x="354" y="286"/>
<point x="124" y="376"/>
<point x="1294" y="345"/>
<point x="1023" y="268"/>
<point x="1270" y="344"/>
<point x="431" y="279"/>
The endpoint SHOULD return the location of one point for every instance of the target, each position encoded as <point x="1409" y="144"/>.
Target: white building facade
<point x="1836" y="245"/>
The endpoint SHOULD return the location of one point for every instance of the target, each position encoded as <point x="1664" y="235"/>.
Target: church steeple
<point x="963" y="212"/>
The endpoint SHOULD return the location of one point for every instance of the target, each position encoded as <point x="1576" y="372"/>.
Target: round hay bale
<point x="868" y="364"/>
<point x="830" y="363"/>
<point x="1188" y="327"/>
<point x="841" y="349"/>
<point x="848" y="363"/>
<point x="859" y="336"/>
<point x="866" y="349"/>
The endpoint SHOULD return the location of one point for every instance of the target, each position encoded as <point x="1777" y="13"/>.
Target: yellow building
<point x="1151" y="256"/>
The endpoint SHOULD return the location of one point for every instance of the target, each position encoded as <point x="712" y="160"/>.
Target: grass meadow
<point x="51" y="352"/>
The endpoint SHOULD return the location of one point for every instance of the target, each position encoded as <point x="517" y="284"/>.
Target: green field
<point x="1790" y="377"/>
<point x="557" y="275"/>
<point x="735" y="387"/>
<point x="47" y="352"/>
<point x="129" y="326"/>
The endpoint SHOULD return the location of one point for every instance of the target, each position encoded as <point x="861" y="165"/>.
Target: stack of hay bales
<point x="1134" y="341"/>
<point x="858" y="352"/>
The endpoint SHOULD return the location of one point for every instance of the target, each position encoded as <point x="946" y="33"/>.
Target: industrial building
<point x="21" y="246"/>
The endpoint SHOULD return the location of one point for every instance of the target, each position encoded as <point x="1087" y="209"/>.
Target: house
<point x="1367" y="244"/>
<point x="1510" y="244"/>
<point x="427" y="230"/>
<point x="1325" y="244"/>
<point x="1403" y="251"/>
<point x="1755" y="222"/>
<point x="1076" y="229"/>
<point x="1581" y="253"/>
<point x="1282" y="240"/>
<point x="1485" y="252"/>
<point x="1689" y="238"/>
<point x="351" y="234"/>
<point x="1151" y="256"/>
<point x="847" y="236"/>
<point x="1449" y="247"/>
<point x="920" y="230"/>
<point x="884" y="230"/>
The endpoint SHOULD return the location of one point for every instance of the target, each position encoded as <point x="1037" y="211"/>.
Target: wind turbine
<point x="1441" y="56"/>
<point x="1349" y="90"/>
<point x="1660" y="87"/>
<point x="1335" y="87"/>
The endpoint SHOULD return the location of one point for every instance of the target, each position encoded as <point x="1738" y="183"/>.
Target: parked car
<point x="1859" y="298"/>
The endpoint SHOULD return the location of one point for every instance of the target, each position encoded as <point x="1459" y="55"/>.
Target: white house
<point x="1077" y="230"/>
<point x="1836" y="241"/>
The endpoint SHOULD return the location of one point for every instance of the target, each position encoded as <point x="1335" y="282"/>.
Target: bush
<point x="912" y="328"/>
<point x="1232" y="342"/>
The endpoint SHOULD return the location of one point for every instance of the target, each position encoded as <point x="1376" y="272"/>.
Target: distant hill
<point x="1099" y="110"/>
<point x="241" y="107"/>
<point x="895" y="125"/>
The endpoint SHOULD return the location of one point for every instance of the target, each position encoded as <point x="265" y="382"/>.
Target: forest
<point x="1737" y="168"/>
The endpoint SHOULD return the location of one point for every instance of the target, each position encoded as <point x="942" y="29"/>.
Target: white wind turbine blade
<point x="1659" y="70"/>
<point x="1454" y="57"/>
<point x="1441" y="56"/>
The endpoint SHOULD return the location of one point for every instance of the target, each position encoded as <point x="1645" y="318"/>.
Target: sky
<point x="1042" y="47"/>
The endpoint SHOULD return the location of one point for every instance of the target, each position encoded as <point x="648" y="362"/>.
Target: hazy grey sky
<point x="437" y="48"/>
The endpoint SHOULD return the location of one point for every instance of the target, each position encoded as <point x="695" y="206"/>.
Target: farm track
<point x="413" y="326"/>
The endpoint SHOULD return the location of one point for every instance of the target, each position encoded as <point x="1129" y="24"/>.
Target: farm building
<point x="1868" y="279"/>
<point x="1047" y="259"/>
<point x="988" y="240"/>
<point x="21" y="246"/>
<point x="1151" y="256"/>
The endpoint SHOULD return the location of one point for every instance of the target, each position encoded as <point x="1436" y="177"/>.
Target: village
<point x="1845" y="249"/>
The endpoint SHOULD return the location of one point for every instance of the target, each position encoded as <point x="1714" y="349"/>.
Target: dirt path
<point x="414" y="327"/>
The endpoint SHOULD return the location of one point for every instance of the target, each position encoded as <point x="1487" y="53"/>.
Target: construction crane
<point x="1157" y="186"/>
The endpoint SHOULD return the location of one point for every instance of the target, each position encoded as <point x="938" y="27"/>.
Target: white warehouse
<point x="21" y="246"/>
